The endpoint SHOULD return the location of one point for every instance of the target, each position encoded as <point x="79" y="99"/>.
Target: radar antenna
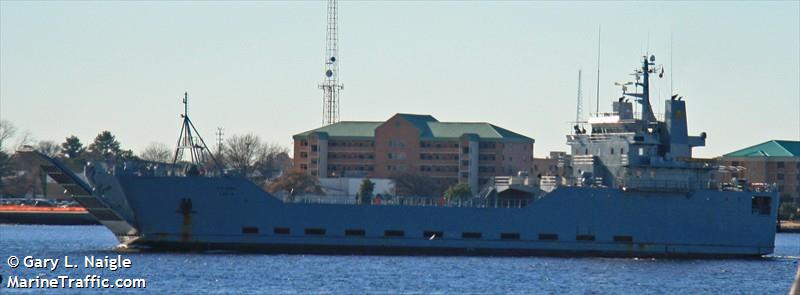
<point x="189" y="139"/>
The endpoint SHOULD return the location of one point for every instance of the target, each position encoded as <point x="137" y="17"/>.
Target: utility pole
<point x="219" y="140"/>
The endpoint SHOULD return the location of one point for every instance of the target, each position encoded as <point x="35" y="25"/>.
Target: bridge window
<point x="761" y="205"/>
<point x="249" y="230"/>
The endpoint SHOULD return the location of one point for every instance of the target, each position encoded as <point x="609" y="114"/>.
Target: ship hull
<point x="196" y="213"/>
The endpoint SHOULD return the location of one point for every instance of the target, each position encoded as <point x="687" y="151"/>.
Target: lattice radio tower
<point x="331" y="86"/>
<point x="190" y="140"/>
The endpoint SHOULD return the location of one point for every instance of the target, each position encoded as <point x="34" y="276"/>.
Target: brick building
<point x="774" y="161"/>
<point x="448" y="152"/>
<point x="552" y="165"/>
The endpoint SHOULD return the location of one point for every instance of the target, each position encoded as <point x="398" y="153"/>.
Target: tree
<point x="365" y="191"/>
<point x="157" y="152"/>
<point x="72" y="148"/>
<point x="295" y="183"/>
<point x="105" y="147"/>
<point x="241" y="151"/>
<point x="49" y="148"/>
<point x="7" y="131"/>
<point x="458" y="192"/>
<point x="410" y="184"/>
<point x="272" y="159"/>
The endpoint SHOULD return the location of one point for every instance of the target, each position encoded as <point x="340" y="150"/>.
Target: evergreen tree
<point x="458" y="192"/>
<point x="72" y="148"/>
<point x="105" y="147"/>
<point x="365" y="191"/>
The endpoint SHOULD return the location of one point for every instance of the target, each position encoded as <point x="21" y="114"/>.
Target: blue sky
<point x="82" y="67"/>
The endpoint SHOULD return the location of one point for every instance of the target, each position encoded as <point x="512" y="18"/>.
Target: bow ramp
<point x="96" y="201"/>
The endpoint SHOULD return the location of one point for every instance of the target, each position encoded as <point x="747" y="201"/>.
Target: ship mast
<point x="643" y="79"/>
<point x="190" y="140"/>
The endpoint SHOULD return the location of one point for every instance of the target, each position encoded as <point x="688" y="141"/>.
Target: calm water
<point x="302" y="274"/>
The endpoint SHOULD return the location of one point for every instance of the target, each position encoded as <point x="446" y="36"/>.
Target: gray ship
<point x="630" y="189"/>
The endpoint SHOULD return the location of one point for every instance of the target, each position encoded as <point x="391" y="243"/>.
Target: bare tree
<point x="24" y="138"/>
<point x="241" y="152"/>
<point x="273" y="159"/>
<point x="7" y="131"/>
<point x="49" y="148"/>
<point x="157" y="152"/>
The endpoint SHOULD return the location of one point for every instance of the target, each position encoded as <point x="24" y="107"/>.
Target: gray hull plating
<point x="233" y="214"/>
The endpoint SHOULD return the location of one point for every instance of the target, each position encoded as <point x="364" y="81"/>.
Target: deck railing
<point x="414" y="201"/>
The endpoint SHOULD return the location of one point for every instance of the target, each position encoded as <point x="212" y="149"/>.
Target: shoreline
<point x="788" y="226"/>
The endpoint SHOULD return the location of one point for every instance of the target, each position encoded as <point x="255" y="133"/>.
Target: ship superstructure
<point x="631" y="189"/>
<point x="636" y="151"/>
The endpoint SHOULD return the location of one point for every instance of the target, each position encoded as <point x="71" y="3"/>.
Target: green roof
<point x="351" y="129"/>
<point x="429" y="128"/>
<point x="772" y="148"/>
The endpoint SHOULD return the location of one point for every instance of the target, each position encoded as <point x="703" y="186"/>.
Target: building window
<point x="612" y="151"/>
<point x="779" y="176"/>
<point x="465" y="150"/>
<point x="641" y="151"/>
<point x="314" y="148"/>
<point x="304" y="143"/>
<point x="465" y="163"/>
<point x="303" y="167"/>
<point x="585" y="238"/>
<point x="304" y="155"/>
<point x="781" y="165"/>
<point x="281" y="230"/>
<point x="621" y="151"/>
